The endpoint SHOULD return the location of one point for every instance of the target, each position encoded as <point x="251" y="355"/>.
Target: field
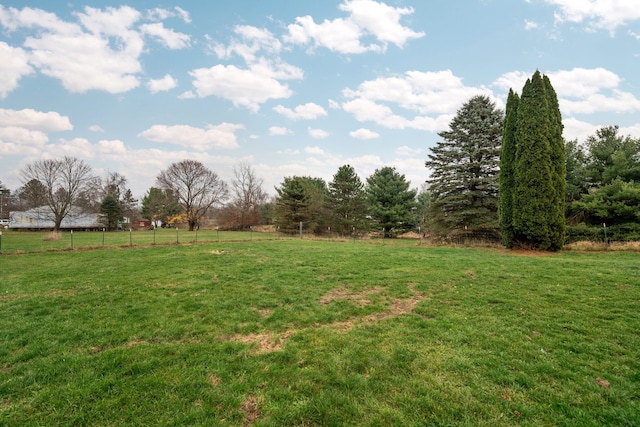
<point x="302" y="332"/>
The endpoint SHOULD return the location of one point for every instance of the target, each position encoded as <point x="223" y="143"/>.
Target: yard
<point x="302" y="332"/>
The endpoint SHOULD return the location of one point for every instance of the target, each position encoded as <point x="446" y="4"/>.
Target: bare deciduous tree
<point x="196" y="187"/>
<point x="64" y="181"/>
<point x="248" y="195"/>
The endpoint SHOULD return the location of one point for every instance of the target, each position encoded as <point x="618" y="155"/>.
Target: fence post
<point x="0" y="242"/>
<point x="177" y="239"/>
<point x="301" y="229"/>
<point x="71" y="239"/>
<point x="130" y="237"/>
<point x="103" y="236"/>
<point x="606" y="242"/>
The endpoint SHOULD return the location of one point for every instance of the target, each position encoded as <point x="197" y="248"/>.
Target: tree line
<point x="504" y="175"/>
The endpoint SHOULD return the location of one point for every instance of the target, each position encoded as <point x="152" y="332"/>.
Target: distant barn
<point x="42" y="219"/>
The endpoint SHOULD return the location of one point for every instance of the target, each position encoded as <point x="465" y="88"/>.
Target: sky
<point x="294" y="87"/>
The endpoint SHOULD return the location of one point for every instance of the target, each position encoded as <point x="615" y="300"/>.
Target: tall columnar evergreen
<point x="559" y="168"/>
<point x="507" y="163"/>
<point x="538" y="171"/>
<point x="464" y="169"/>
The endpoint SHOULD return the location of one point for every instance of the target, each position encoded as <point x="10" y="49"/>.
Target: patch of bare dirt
<point x="471" y="274"/>
<point x="265" y="342"/>
<point x="216" y="252"/>
<point x="251" y="410"/>
<point x="603" y="383"/>
<point x="264" y="312"/>
<point x="268" y="342"/>
<point x="214" y="380"/>
<point x="134" y="343"/>
<point x="163" y="285"/>
<point x="359" y="298"/>
<point x="11" y="297"/>
<point x="60" y="292"/>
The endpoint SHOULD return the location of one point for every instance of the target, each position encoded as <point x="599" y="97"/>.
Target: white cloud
<point x="308" y="111"/>
<point x="530" y="25"/>
<point x="183" y="14"/>
<point x="114" y="149"/>
<point x="100" y="50"/>
<point x="76" y="147"/>
<point x="364" y="134"/>
<point x="219" y="136"/>
<point x="21" y="141"/>
<point x="406" y="151"/>
<point x="159" y="14"/>
<point x="36" y="120"/>
<point x="577" y="129"/>
<point x="343" y="35"/>
<point x="433" y="96"/>
<point x="82" y="60"/>
<point x="288" y="151"/>
<point x="318" y="133"/>
<point x="13" y="66"/>
<point x="163" y="84"/>
<point x="168" y="37"/>
<point x="96" y="128"/>
<point x="252" y="86"/>
<point x="580" y="90"/>
<point x="252" y="41"/>
<point x="633" y="130"/>
<point x="242" y="87"/>
<point x="279" y="131"/>
<point x="314" y="150"/>
<point x="187" y="95"/>
<point x="597" y="14"/>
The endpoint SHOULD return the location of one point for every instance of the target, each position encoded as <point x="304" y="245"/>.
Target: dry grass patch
<point x="265" y="342"/>
<point x="54" y="236"/>
<point x="359" y="298"/>
<point x="251" y="410"/>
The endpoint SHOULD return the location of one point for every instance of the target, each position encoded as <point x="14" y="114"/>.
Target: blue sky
<point x="294" y="87"/>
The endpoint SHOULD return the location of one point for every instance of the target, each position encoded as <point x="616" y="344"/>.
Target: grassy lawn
<point x="290" y="332"/>
<point x="15" y="241"/>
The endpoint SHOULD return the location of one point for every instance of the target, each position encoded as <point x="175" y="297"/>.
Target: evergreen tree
<point x="159" y="205"/>
<point x="538" y="211"/>
<point x="610" y="155"/>
<point x="110" y="212"/>
<point x="557" y="222"/>
<point x="390" y="201"/>
<point x="507" y="165"/>
<point x="346" y="201"/>
<point x="464" y="177"/>
<point x="301" y="199"/>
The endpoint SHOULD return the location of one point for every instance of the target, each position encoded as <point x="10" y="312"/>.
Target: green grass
<point x="291" y="332"/>
<point x="16" y="241"/>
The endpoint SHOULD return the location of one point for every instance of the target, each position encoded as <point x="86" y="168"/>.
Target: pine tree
<point x="464" y="177"/>
<point x="110" y="212"/>
<point x="301" y="199"/>
<point x="390" y="201"/>
<point x="507" y="165"/>
<point x="346" y="201"/>
<point x="538" y="211"/>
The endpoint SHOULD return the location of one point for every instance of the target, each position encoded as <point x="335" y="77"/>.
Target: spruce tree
<point x="346" y="201"/>
<point x="390" y="201"/>
<point x="507" y="165"/>
<point x="538" y="211"/>
<point x="464" y="169"/>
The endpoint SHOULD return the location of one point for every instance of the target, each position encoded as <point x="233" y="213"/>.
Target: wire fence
<point x="22" y="241"/>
